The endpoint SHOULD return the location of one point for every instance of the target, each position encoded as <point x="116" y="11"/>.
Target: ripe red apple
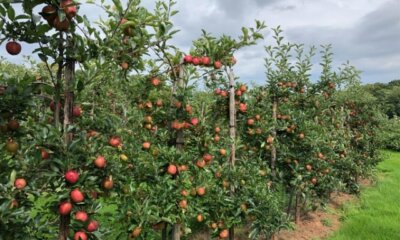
<point x="77" y="196"/>
<point x="108" y="183"/>
<point x="53" y="106"/>
<point x="196" y="61"/>
<point x="13" y="48"/>
<point x="49" y="13"/>
<point x="314" y="180"/>
<point x="115" y="141"/>
<point x="146" y="145"/>
<point x="124" y="65"/>
<point x="45" y="154"/>
<point x="242" y="107"/>
<point x="92" y="226"/>
<point x="61" y="25"/>
<point x="188" y="59"/>
<point x="100" y="162"/>
<point x="201" y="191"/>
<point x="81" y="216"/>
<point x="71" y="176"/>
<point x="224" y="93"/>
<point x="308" y="167"/>
<point x="13" y="124"/>
<point x="250" y="121"/>
<point x="77" y="111"/>
<point x="80" y="235"/>
<point x="217" y="91"/>
<point x="20" y="183"/>
<point x="243" y="88"/>
<point x="194" y="121"/>
<point x="172" y="169"/>
<point x="238" y="93"/>
<point x="207" y="157"/>
<point x="205" y="60"/>
<point x="69" y="8"/>
<point x="65" y="208"/>
<point x="217" y="64"/>
<point x="155" y="81"/>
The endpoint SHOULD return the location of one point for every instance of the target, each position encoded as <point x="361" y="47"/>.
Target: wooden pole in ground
<point x="232" y="134"/>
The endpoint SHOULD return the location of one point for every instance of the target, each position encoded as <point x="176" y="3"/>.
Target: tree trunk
<point x="164" y="233"/>
<point x="232" y="134"/>
<point x="273" y="148"/>
<point x="180" y="140"/>
<point x="57" y="87"/>
<point x="297" y="215"/>
<point x="68" y="105"/>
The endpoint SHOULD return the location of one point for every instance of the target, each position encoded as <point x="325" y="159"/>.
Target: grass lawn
<point x="377" y="215"/>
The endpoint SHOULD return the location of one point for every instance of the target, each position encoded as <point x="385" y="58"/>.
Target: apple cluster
<point x="205" y="61"/>
<point x="51" y="14"/>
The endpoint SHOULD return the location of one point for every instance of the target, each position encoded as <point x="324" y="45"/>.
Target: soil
<point x="318" y="224"/>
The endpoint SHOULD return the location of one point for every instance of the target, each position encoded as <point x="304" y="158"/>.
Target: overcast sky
<point x="365" y="32"/>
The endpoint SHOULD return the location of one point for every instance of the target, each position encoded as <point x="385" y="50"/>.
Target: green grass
<point x="377" y="215"/>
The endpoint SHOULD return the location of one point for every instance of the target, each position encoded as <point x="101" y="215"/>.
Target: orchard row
<point x="131" y="147"/>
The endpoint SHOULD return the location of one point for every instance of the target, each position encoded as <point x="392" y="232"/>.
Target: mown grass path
<point x="377" y="215"/>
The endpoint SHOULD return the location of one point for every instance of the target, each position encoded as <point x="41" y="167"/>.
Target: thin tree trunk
<point x="57" y="87"/>
<point x="289" y="207"/>
<point x="297" y="215"/>
<point x="69" y="99"/>
<point x="164" y="233"/>
<point x="232" y="134"/>
<point x="273" y="148"/>
<point x="180" y="140"/>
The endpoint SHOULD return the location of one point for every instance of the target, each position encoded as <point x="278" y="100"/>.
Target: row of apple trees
<point x="118" y="134"/>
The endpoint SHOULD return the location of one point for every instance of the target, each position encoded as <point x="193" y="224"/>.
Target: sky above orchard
<point x="364" y="32"/>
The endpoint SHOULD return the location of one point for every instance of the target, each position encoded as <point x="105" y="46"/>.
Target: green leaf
<point x="13" y="175"/>
<point x="43" y="57"/>
<point x="118" y="6"/>
<point x="11" y="13"/>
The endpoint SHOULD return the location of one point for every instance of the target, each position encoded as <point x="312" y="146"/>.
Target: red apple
<point x="188" y="59"/>
<point x="77" y="196"/>
<point x="81" y="216"/>
<point x="53" y="106"/>
<point x="49" y="13"/>
<point x="77" y="111"/>
<point x="155" y="81"/>
<point x="115" y="141"/>
<point x="242" y="107"/>
<point x="108" y="183"/>
<point x="80" y="235"/>
<point x="45" y="154"/>
<point x="196" y="61"/>
<point x="205" y="60"/>
<point x="100" y="162"/>
<point x="13" y="48"/>
<point x="217" y="64"/>
<point x="194" y="121"/>
<point x="69" y="8"/>
<point x="20" y="183"/>
<point x="207" y="157"/>
<point x="61" y="25"/>
<point x="172" y="169"/>
<point x="92" y="226"/>
<point x="65" y="208"/>
<point x="146" y="145"/>
<point x="71" y="176"/>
